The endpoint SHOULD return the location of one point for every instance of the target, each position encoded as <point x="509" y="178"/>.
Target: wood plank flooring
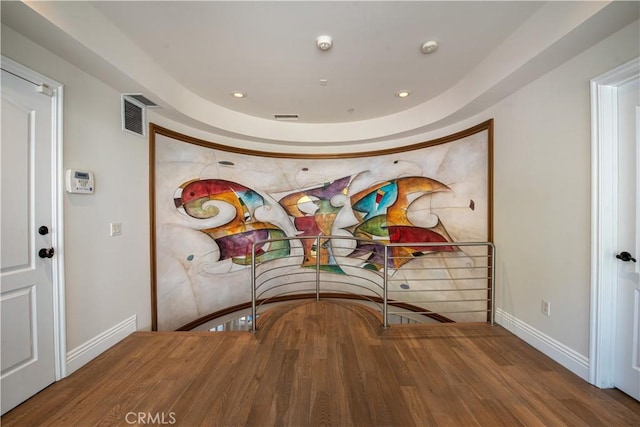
<point x="326" y="363"/>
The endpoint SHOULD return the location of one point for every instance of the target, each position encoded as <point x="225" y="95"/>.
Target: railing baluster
<point x="253" y="288"/>
<point x="493" y="282"/>
<point x="385" y="289"/>
<point x="317" y="268"/>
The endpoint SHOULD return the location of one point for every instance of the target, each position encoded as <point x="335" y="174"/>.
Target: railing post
<point x="493" y="283"/>
<point x="385" y="322"/>
<point x="253" y="288"/>
<point x="318" y="268"/>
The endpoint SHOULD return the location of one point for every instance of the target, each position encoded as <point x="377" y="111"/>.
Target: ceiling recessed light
<point x="403" y="94"/>
<point x="238" y="94"/>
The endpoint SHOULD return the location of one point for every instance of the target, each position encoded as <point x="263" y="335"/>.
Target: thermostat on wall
<point x="79" y="181"/>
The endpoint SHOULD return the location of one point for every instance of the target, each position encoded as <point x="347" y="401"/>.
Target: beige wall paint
<point x="107" y="278"/>
<point x="542" y="195"/>
<point x="542" y="189"/>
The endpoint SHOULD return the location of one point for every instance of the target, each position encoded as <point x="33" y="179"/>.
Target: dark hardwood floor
<point x="326" y="363"/>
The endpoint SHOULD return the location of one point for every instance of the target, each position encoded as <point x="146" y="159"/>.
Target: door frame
<point x="55" y="90"/>
<point x="604" y="223"/>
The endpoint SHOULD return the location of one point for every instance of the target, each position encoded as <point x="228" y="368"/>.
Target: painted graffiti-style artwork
<point x="211" y="204"/>
<point x="314" y="214"/>
<point x="234" y="205"/>
<point x="383" y="216"/>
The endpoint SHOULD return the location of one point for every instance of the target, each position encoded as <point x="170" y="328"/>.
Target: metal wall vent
<point x="285" y="116"/>
<point x="133" y="116"/>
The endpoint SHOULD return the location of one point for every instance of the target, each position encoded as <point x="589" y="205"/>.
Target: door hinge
<point x="43" y="88"/>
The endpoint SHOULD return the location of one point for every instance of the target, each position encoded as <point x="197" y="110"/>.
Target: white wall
<point x="107" y="278"/>
<point x="542" y="188"/>
<point x="541" y="191"/>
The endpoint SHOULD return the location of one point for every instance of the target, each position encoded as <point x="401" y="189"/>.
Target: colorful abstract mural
<point x="314" y="215"/>
<point x="213" y="203"/>
<point x="235" y="203"/>
<point x="383" y="215"/>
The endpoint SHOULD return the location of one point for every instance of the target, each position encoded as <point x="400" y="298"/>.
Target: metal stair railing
<point x="447" y="281"/>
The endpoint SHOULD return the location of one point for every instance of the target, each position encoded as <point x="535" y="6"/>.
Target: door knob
<point x="43" y="230"/>
<point x="625" y="256"/>
<point x="45" y="253"/>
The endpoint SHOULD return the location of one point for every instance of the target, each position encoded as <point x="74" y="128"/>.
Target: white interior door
<point x="627" y="341"/>
<point x="26" y="279"/>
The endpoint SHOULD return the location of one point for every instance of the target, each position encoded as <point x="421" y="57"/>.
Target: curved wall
<point x="210" y="203"/>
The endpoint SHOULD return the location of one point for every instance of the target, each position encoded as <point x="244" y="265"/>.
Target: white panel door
<point x="26" y="284"/>
<point x="627" y="342"/>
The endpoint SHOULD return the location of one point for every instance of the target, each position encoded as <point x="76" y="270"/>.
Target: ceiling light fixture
<point x="324" y="43"/>
<point x="429" y="46"/>
<point x="403" y="94"/>
<point x="238" y="94"/>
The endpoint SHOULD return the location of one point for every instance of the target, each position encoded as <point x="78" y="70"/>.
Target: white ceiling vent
<point x="292" y="117"/>
<point x="134" y="118"/>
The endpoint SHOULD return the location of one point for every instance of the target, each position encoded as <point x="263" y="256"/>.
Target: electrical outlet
<point x="546" y="308"/>
<point x="116" y="229"/>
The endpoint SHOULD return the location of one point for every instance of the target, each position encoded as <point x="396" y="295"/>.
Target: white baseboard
<point x="83" y="354"/>
<point x="567" y="357"/>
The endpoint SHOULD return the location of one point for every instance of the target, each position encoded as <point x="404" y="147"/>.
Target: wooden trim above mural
<point x="210" y="202"/>
<point x="159" y="130"/>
